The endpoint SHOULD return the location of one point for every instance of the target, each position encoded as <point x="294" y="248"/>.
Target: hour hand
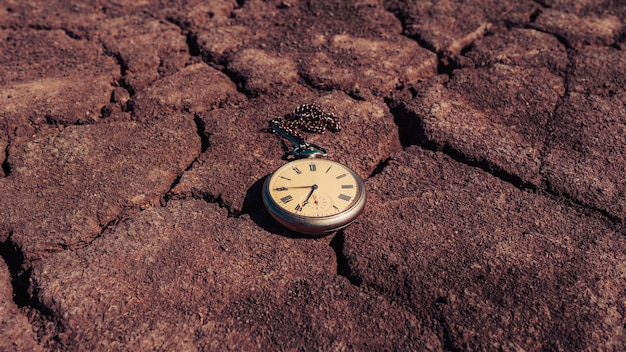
<point x="306" y="201"/>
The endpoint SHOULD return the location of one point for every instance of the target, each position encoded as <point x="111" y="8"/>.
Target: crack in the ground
<point x="45" y="27"/>
<point x="567" y="73"/>
<point x="201" y="131"/>
<point x="119" y="60"/>
<point x="204" y="146"/>
<point x="192" y="43"/>
<point x="447" y="59"/>
<point x="6" y="166"/>
<point x="343" y="264"/>
<point x="204" y="196"/>
<point x="548" y="188"/>
<point x="403" y="24"/>
<point x="14" y="259"/>
<point x="488" y="167"/>
<point x="613" y="221"/>
<point x="71" y="34"/>
<point x="104" y="229"/>
<point x="208" y="198"/>
<point x="238" y="80"/>
<point x="191" y="38"/>
<point x="25" y="296"/>
<point x="542" y="3"/>
<point x="195" y="49"/>
<point x="380" y="167"/>
<point x="447" y="339"/>
<point x="558" y="37"/>
<point x="533" y="16"/>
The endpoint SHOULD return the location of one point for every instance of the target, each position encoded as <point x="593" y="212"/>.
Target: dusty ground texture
<point x="491" y="136"/>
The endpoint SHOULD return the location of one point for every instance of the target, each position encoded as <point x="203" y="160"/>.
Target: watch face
<point x="314" y="195"/>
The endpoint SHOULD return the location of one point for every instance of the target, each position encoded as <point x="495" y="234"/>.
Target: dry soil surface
<point x="491" y="136"/>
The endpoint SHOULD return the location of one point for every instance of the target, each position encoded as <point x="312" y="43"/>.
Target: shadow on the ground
<point x="253" y="207"/>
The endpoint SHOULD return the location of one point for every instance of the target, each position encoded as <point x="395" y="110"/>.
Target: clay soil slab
<point x="195" y="88"/>
<point x="578" y="30"/>
<point x="261" y="72"/>
<point x="489" y="266"/>
<point x="51" y="14"/>
<point x="449" y="26"/>
<point x="187" y="277"/>
<point x="49" y="77"/>
<point x="374" y="66"/>
<point x="586" y="158"/>
<point x="599" y="71"/>
<point x="29" y="54"/>
<point x="201" y="14"/>
<point x="492" y="115"/>
<point x="65" y="186"/>
<point x="213" y="43"/>
<point x="519" y="47"/>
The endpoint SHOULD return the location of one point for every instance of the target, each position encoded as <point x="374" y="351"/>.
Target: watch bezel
<point x="315" y="225"/>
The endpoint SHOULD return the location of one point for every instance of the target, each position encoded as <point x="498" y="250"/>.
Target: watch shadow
<point x="253" y="207"/>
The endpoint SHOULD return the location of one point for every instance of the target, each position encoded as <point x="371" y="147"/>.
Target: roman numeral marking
<point x="328" y="168"/>
<point x="344" y="197"/>
<point x="347" y="186"/>
<point x="297" y="170"/>
<point x="341" y="176"/>
<point x="298" y="207"/>
<point x="286" y="199"/>
<point x="285" y="178"/>
<point x="312" y="167"/>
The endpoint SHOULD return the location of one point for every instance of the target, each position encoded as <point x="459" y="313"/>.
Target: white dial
<point x="314" y="195"/>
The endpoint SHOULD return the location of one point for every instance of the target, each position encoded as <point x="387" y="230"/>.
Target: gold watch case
<point x="314" y="196"/>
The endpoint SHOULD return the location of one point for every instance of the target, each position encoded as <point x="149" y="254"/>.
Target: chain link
<point x="308" y="118"/>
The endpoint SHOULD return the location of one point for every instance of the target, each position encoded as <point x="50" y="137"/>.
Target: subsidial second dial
<point x="318" y="203"/>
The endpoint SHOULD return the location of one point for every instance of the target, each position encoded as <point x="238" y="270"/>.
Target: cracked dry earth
<point x="491" y="135"/>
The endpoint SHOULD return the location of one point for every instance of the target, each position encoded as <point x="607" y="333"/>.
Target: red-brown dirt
<point x="490" y="135"/>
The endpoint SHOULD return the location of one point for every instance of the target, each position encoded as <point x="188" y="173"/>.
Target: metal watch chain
<point x="308" y="118"/>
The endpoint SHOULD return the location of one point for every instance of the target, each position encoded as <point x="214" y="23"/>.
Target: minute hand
<point x="290" y="187"/>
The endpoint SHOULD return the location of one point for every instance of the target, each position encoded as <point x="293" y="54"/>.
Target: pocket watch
<point x="311" y="194"/>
